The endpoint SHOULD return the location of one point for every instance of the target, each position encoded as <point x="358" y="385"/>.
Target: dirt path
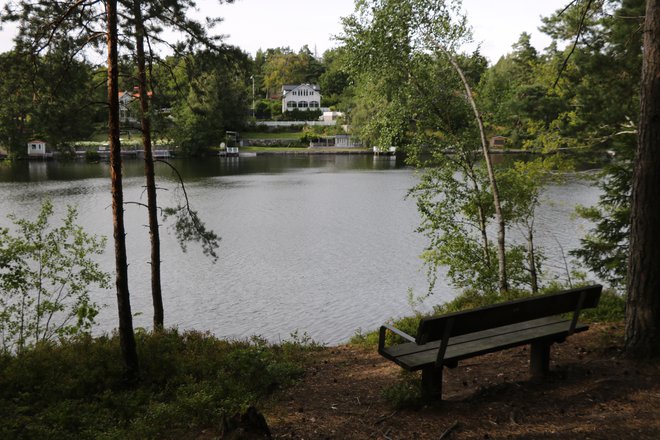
<point x="592" y="393"/>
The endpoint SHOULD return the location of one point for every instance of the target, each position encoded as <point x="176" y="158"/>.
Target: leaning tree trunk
<point x="531" y="257"/>
<point x="642" y="338"/>
<point x="126" y="335"/>
<point x="501" y="225"/>
<point x="152" y="206"/>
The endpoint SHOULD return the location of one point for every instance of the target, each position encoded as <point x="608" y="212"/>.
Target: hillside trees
<point x="335" y="79"/>
<point x="41" y="96"/>
<point x="212" y="98"/>
<point x="283" y="66"/>
<point x="15" y="101"/>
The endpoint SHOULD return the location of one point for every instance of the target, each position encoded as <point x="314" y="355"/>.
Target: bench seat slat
<point x="553" y="331"/>
<point x="410" y="348"/>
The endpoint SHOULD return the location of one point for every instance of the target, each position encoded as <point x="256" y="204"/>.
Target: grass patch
<point x="188" y="382"/>
<point x="257" y="149"/>
<point x="405" y="393"/>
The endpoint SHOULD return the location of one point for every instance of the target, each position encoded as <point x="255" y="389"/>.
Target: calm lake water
<point x="320" y="244"/>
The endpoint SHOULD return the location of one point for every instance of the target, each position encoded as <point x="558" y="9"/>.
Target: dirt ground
<point x="591" y="393"/>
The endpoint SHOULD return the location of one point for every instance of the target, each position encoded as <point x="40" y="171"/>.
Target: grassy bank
<point x="188" y="382"/>
<point x="303" y="150"/>
<point x="270" y="135"/>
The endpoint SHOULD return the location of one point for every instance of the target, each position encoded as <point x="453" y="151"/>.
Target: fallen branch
<point x="383" y="418"/>
<point x="449" y="430"/>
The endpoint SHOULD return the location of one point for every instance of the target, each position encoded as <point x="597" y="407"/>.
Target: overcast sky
<point x="255" y="24"/>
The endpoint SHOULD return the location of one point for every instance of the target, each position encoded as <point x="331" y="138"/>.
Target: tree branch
<point x="577" y="39"/>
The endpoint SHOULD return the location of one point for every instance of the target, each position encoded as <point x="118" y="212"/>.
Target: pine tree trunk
<point x="642" y="338"/>
<point x="126" y="335"/>
<point x="152" y="205"/>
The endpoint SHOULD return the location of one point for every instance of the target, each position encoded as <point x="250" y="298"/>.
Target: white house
<point x="301" y="96"/>
<point x="37" y="148"/>
<point x="125" y="100"/>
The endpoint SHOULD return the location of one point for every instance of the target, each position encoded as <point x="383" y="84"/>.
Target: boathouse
<point x="37" y="149"/>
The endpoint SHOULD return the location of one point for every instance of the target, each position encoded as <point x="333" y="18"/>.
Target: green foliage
<point x="455" y="204"/>
<point x="607" y="100"/>
<point x="604" y="249"/>
<point x="405" y="393"/>
<point x="188" y="226"/>
<point x="46" y="274"/>
<point x="44" y="97"/>
<point x="335" y="80"/>
<point x="301" y="115"/>
<point x="268" y="109"/>
<point x="208" y="97"/>
<point x="189" y="381"/>
<point x="283" y="66"/>
<point x="92" y="156"/>
<point x="611" y="308"/>
<point x="471" y="299"/>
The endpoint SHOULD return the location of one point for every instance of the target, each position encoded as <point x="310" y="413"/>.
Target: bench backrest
<point x="510" y="312"/>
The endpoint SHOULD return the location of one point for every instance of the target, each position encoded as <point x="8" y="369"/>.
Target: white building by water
<point x="37" y="148"/>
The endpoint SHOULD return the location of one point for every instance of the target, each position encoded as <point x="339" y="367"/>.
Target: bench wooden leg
<point x="539" y="362"/>
<point x="432" y="382"/>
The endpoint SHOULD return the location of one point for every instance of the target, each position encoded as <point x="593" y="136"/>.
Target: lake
<point x="320" y="244"/>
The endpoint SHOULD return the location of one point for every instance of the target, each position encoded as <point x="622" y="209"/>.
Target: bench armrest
<point x="396" y="331"/>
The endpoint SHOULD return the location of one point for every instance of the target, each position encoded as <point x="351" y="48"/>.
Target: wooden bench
<point x="444" y="340"/>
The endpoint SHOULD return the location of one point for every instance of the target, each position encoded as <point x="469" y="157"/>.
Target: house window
<point x="291" y="104"/>
<point x="34" y="146"/>
<point x="313" y="104"/>
<point x="302" y="104"/>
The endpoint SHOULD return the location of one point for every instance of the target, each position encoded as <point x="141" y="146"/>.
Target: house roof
<point x="289" y="87"/>
<point x="36" y="141"/>
<point x="134" y="94"/>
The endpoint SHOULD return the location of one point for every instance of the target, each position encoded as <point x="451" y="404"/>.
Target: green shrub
<point x="92" y="155"/>
<point x="188" y="382"/>
<point x="406" y="393"/>
<point x="611" y="308"/>
<point x="471" y="299"/>
<point x="301" y="115"/>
